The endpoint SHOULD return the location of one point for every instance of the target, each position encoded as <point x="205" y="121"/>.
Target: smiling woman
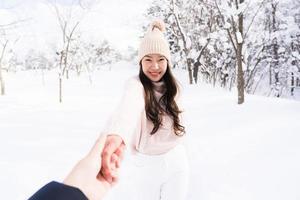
<point x="149" y="121"/>
<point x="154" y="66"/>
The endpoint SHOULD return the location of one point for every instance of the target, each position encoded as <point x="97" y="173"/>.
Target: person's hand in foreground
<point x="112" y="156"/>
<point x="87" y="174"/>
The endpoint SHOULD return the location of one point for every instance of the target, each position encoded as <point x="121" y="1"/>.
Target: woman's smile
<point x="154" y="66"/>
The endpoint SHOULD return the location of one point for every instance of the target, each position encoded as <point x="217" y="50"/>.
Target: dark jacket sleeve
<point x="58" y="191"/>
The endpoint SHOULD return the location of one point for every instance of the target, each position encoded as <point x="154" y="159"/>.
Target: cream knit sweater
<point x="130" y="122"/>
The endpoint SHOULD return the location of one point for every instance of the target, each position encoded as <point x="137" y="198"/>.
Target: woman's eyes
<point x="149" y="60"/>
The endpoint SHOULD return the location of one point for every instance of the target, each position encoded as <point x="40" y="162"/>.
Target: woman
<point x="148" y="120"/>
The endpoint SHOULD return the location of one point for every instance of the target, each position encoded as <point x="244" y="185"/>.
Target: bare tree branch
<point x="178" y="25"/>
<point x="9" y="24"/>
<point x="227" y="29"/>
<point x="202" y="49"/>
<point x="234" y="29"/>
<point x="253" y="71"/>
<point x="69" y="38"/>
<point x="3" y="50"/>
<point x="1" y="78"/>
<point x="252" y="20"/>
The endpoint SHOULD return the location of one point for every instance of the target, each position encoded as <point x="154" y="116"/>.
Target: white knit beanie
<point x="154" y="42"/>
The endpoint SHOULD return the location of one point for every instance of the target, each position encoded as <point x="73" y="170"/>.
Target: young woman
<point x="149" y="121"/>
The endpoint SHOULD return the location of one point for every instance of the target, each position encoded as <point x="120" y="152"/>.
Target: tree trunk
<point x="60" y="76"/>
<point x="196" y="71"/>
<point x="292" y="84"/>
<point x="275" y="48"/>
<point x="240" y="74"/>
<point x="190" y="73"/>
<point x="197" y="63"/>
<point x="60" y="89"/>
<point x="190" y="70"/>
<point x="186" y="50"/>
<point x="239" y="56"/>
<point x="2" y="84"/>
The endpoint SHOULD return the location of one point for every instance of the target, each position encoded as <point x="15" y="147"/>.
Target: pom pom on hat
<point x="154" y="42"/>
<point x="158" y="24"/>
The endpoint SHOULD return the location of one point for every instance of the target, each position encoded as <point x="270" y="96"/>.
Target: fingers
<point x="114" y="159"/>
<point x="120" y="154"/>
<point x="120" y="151"/>
<point x="109" y="160"/>
<point x="112" y="156"/>
<point x="111" y="174"/>
<point x="97" y="149"/>
<point x="115" y="180"/>
<point x="112" y="181"/>
<point x="110" y="147"/>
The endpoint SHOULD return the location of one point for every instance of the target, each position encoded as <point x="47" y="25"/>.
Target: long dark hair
<point x="166" y="104"/>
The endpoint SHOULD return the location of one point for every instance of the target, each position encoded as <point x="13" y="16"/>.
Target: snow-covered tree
<point x="7" y="40"/>
<point x="234" y="13"/>
<point x="273" y="50"/>
<point x="3" y="48"/>
<point x="68" y="26"/>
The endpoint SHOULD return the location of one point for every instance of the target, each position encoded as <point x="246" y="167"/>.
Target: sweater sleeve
<point x="126" y="117"/>
<point x="58" y="191"/>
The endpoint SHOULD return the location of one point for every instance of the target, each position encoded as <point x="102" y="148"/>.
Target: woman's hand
<point x="112" y="156"/>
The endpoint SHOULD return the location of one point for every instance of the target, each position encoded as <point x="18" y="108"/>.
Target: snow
<point x="223" y="38"/>
<point x="227" y="25"/>
<point x="248" y="151"/>
<point x="194" y="53"/>
<point x="241" y="9"/>
<point x="296" y="55"/>
<point x="6" y="17"/>
<point x="202" y="41"/>
<point x="188" y="43"/>
<point x="281" y="50"/>
<point x="239" y="37"/>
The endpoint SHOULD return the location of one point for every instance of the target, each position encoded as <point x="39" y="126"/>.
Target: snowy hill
<point x="248" y="151"/>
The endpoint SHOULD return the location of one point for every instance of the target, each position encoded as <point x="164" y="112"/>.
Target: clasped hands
<point x="97" y="172"/>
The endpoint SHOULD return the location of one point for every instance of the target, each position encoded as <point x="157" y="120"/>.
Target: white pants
<point x="154" y="177"/>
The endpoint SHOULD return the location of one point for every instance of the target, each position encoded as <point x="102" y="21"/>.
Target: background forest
<point x="250" y="45"/>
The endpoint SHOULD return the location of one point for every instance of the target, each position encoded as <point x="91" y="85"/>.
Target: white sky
<point x="119" y="21"/>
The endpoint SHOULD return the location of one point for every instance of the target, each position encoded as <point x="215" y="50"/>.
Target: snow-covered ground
<point x="248" y="151"/>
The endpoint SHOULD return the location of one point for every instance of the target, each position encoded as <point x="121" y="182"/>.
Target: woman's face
<point x="154" y="66"/>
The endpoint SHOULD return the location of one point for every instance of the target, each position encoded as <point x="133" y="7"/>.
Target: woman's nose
<point x="155" y="65"/>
